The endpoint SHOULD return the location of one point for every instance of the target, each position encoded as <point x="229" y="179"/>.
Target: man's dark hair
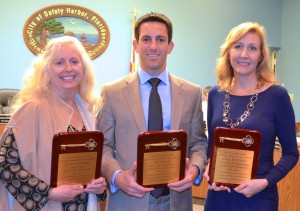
<point x="206" y="90"/>
<point x="153" y="17"/>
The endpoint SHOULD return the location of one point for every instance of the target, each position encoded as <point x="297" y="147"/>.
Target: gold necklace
<point x="226" y="109"/>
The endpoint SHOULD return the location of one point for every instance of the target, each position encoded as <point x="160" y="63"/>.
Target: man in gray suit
<point x="123" y="116"/>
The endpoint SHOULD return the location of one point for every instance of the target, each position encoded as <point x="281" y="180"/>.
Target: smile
<point x="68" y="78"/>
<point x="243" y="63"/>
<point x="153" y="55"/>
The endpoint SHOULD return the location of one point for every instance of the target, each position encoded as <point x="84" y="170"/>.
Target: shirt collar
<point x="144" y="76"/>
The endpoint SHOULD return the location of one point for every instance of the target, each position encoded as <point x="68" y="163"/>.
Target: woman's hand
<point x="205" y="175"/>
<point x="251" y="187"/>
<point x="213" y="186"/>
<point x="97" y="186"/>
<point x="65" y="193"/>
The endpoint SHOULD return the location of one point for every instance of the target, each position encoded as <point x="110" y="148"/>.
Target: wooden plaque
<point x="76" y="157"/>
<point x="234" y="156"/>
<point x="161" y="157"/>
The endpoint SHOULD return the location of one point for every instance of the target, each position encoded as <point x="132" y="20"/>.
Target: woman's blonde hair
<point x="38" y="79"/>
<point x="224" y="71"/>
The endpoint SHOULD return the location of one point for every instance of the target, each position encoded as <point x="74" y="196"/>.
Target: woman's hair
<point x="224" y="71"/>
<point x="38" y="79"/>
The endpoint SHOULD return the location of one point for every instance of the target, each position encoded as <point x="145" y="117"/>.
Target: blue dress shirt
<point x="164" y="91"/>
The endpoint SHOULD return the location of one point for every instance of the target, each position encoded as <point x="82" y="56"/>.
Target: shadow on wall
<point x="6" y="97"/>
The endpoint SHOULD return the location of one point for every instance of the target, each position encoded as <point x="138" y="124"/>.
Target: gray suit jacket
<point x="121" y="119"/>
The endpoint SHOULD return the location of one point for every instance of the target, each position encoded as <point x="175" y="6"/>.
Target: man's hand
<point x="125" y="180"/>
<point x="191" y="172"/>
<point x="65" y="193"/>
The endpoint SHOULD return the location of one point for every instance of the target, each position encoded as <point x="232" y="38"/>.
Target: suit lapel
<point x="133" y="99"/>
<point x="178" y="99"/>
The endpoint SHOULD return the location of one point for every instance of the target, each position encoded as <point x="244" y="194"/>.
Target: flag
<point x="134" y="65"/>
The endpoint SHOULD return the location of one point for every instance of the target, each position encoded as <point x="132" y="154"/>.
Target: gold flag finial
<point x="135" y="11"/>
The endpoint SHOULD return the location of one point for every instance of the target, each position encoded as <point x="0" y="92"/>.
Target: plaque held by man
<point x="161" y="157"/>
<point x="234" y="156"/>
<point x="76" y="157"/>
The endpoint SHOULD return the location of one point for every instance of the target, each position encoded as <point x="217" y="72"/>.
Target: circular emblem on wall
<point x="63" y="19"/>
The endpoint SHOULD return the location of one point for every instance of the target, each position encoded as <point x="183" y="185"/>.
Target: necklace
<point x="226" y="109"/>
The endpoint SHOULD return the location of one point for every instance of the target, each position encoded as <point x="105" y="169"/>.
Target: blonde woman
<point x="248" y="97"/>
<point x="58" y="96"/>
